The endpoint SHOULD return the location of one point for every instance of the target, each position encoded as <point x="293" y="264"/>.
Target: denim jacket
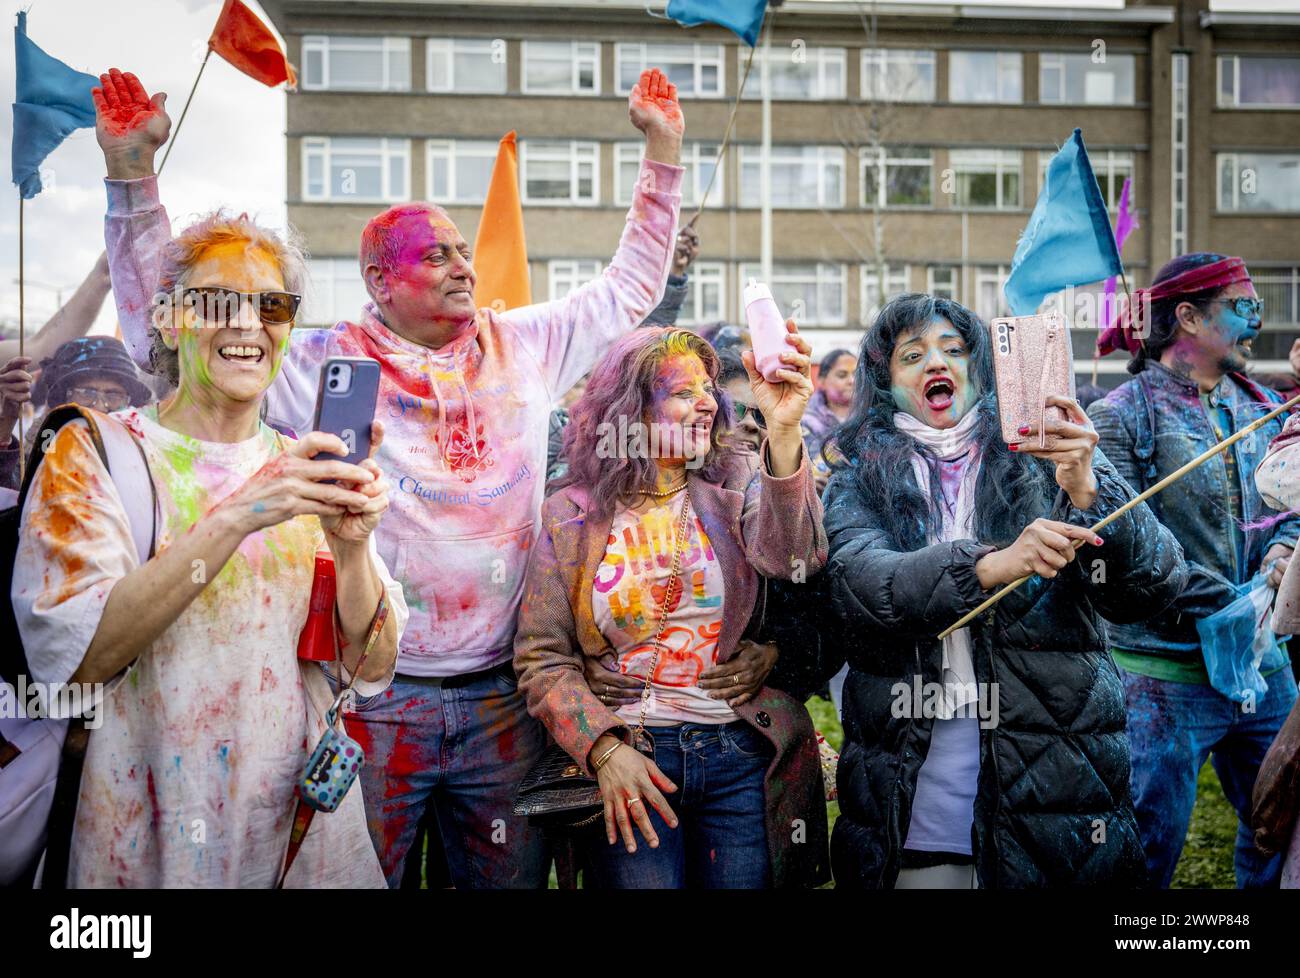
<point x="1197" y="508"/>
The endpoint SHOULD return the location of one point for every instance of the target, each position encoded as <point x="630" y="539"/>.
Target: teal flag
<point x="52" y="101"/>
<point x="1068" y="240"/>
<point x="742" y="17"/>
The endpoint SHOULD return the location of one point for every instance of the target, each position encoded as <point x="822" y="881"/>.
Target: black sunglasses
<point x="217" y="304"/>
<point x="753" y="412"/>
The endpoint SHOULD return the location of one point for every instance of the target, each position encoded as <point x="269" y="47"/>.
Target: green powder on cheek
<point x="281" y="352"/>
<point x="194" y="370"/>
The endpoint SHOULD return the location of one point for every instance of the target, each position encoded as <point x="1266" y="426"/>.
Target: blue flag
<point x="52" y="100"/>
<point x="742" y="17"/>
<point x="1068" y="240"/>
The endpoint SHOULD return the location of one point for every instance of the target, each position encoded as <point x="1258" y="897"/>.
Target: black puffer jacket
<point x="1054" y="771"/>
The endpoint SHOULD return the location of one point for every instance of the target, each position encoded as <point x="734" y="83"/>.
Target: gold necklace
<point x="665" y="493"/>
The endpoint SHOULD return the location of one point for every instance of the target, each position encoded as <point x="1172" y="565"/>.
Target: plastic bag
<point x="1238" y="643"/>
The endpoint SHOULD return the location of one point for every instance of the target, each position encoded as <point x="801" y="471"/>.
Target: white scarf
<point x="949" y="444"/>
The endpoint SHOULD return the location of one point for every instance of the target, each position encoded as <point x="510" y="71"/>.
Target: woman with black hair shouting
<point x="995" y="757"/>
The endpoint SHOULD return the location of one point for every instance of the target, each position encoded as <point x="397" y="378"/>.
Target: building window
<point x="706" y="284"/>
<point x="1280" y="290"/>
<point x="697" y="158"/>
<point x="696" y="69"/>
<point x="560" y="171"/>
<point x="1075" y="79"/>
<point x="1259" y="181"/>
<point x="460" y="170"/>
<point x="897" y="75"/>
<point x="987" y="177"/>
<point x="358" y="64"/>
<point x="1252" y="82"/>
<point x="984" y="76"/>
<point x="943" y="280"/>
<point x="569" y="274"/>
<point x="1111" y="168"/>
<point x="355" y="169"/>
<point x="561" y="68"/>
<point x="897" y="279"/>
<point x="818" y="75"/>
<point x="802" y="176"/>
<point x="465" y="65"/>
<point x="812" y="293"/>
<point x="337" y="292"/>
<point x="898" y="176"/>
<point x="989" y="299"/>
<point x="1178" y="153"/>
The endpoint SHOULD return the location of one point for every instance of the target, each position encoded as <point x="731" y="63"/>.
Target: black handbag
<point x="557" y="793"/>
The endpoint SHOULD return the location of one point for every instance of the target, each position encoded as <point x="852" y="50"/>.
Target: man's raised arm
<point x="568" y="335"/>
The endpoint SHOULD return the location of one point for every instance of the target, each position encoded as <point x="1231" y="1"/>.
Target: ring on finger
<point x="634" y="800"/>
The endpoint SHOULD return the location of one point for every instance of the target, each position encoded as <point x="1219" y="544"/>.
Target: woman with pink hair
<point x="650" y="556"/>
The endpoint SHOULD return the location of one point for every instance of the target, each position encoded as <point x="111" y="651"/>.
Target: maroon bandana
<point x="1122" y="334"/>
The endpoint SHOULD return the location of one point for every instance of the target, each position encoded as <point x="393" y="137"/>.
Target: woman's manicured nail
<point x="1023" y="429"/>
<point x="1013" y="448"/>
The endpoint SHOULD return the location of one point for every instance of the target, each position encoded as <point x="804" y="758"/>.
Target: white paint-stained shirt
<point x="188" y="781"/>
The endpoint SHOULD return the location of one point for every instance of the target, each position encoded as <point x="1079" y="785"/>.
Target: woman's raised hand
<point x="783" y="401"/>
<point x="129" y="125"/>
<point x="630" y="783"/>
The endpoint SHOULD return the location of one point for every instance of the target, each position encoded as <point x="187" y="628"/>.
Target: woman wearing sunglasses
<point x="205" y="716"/>
<point x="649" y="555"/>
<point x="1201" y="318"/>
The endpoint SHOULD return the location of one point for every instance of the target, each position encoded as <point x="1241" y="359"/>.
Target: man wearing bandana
<point x="1190" y="336"/>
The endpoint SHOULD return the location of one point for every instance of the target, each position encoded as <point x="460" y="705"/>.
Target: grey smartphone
<point x="345" y="402"/>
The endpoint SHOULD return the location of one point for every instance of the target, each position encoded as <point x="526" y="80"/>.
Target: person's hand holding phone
<point x="1071" y="452"/>
<point x="356" y="523"/>
<point x="297" y="483"/>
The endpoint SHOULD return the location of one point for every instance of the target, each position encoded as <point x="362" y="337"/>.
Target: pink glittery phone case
<point x="1032" y="359"/>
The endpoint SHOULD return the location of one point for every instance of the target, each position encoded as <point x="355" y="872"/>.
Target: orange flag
<point x="500" y="257"/>
<point x="248" y="44"/>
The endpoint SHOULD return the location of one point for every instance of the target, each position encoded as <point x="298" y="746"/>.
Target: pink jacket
<point x="465" y="425"/>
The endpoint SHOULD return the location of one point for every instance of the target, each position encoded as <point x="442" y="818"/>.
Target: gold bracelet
<point x="605" y="756"/>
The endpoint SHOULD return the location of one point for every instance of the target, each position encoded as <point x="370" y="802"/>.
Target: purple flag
<point x="1125" y="222"/>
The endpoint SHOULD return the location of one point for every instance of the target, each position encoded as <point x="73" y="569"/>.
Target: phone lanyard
<point x="304" y="813"/>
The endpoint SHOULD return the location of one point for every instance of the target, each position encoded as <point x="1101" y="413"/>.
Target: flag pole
<point x="22" y="326"/>
<point x="181" y="121"/>
<point x="1164" y="483"/>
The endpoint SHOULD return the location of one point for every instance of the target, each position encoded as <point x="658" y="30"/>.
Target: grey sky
<point x="231" y="151"/>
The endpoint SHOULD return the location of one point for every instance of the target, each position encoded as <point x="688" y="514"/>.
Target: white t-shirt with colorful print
<point x="189" y="780"/>
<point x="628" y="597"/>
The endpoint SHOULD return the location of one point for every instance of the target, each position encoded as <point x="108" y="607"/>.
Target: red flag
<point x="246" y="43"/>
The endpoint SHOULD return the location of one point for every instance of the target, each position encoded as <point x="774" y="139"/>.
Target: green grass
<point x="1206" y="862"/>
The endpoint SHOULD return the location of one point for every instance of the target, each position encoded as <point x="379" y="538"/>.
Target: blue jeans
<point x="1172" y="727"/>
<point x="461" y="750"/>
<point x="721" y="837"/>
